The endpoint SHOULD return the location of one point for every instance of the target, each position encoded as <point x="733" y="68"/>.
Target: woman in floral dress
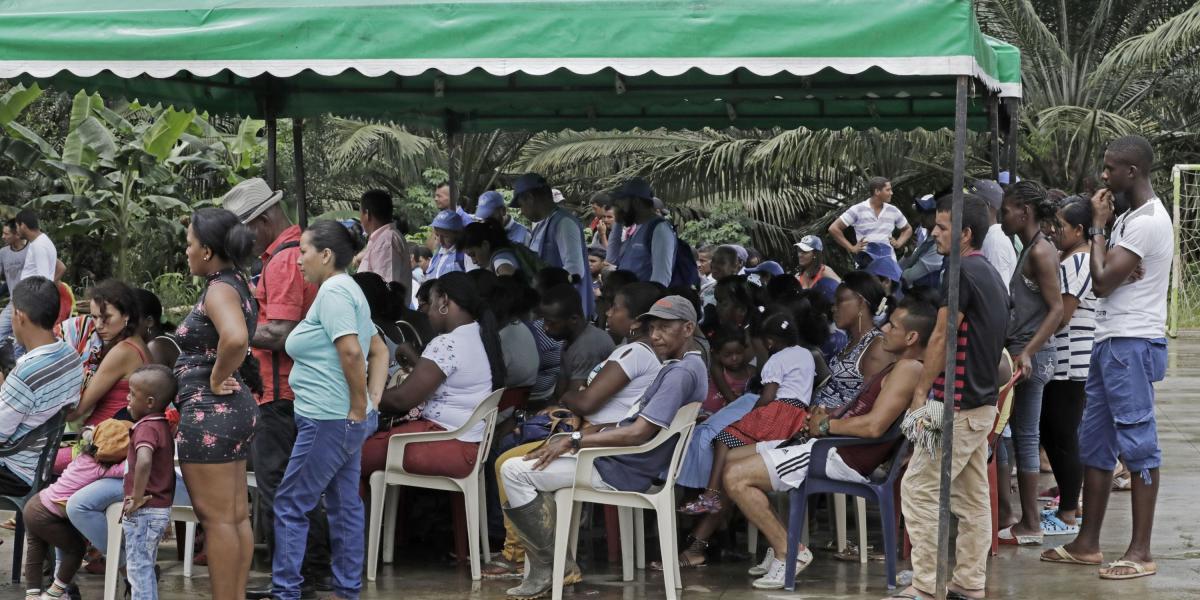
<point x="217" y="411"/>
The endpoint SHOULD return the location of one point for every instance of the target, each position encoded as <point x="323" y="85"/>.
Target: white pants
<point x="522" y="483"/>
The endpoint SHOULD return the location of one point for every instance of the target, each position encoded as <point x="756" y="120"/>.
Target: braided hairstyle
<point x="461" y="289"/>
<point x="1031" y="193"/>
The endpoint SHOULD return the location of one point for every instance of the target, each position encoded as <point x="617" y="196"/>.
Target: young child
<point x="730" y="372"/>
<point x="45" y="514"/>
<point x="149" y="476"/>
<point x="781" y="410"/>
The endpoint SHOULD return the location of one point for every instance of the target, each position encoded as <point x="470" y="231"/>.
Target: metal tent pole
<point x="952" y="285"/>
<point x="298" y="167"/>
<point x="272" y="139"/>
<point x="451" y="128"/>
<point x="994" y="130"/>
<point x="1013" y="108"/>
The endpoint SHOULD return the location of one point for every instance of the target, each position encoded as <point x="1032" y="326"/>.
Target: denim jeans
<point x="327" y="459"/>
<point x="86" y="507"/>
<point x="143" y="531"/>
<point x="1027" y="411"/>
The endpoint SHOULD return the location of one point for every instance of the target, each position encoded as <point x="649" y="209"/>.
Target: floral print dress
<point x="212" y="428"/>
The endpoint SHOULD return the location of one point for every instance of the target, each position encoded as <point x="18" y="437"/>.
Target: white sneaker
<point x="763" y="567"/>
<point x="773" y="580"/>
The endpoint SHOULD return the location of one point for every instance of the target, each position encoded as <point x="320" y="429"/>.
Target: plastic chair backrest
<point x="486" y="412"/>
<point x="682" y="425"/>
<point x="45" y="439"/>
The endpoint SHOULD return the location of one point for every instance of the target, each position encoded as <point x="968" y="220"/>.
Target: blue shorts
<point x="1118" y="421"/>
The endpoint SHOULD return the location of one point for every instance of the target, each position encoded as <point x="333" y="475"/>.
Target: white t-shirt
<point x="871" y="227"/>
<point x="641" y="366"/>
<point x="1139" y="309"/>
<point x="461" y="357"/>
<point x="793" y="369"/>
<point x="999" y="251"/>
<point x="40" y="258"/>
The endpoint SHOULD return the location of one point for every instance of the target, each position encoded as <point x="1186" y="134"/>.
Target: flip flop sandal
<point x="1122" y="483"/>
<point x="10" y="524"/>
<point x="1139" y="570"/>
<point x="1065" y="557"/>
<point x="1008" y="539"/>
<point x="697" y="546"/>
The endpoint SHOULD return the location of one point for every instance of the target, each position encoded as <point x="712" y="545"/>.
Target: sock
<point x="33" y="594"/>
<point x="57" y="590"/>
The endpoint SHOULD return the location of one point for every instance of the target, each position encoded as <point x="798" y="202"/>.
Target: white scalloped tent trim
<point x="667" y="67"/>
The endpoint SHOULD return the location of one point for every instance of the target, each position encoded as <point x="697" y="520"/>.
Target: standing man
<point x="923" y="268"/>
<point x="12" y="262"/>
<point x="998" y="248"/>
<point x="557" y="237"/>
<point x="1129" y="355"/>
<point x="874" y="220"/>
<point x="386" y="253"/>
<point x="650" y="252"/>
<point x="491" y="208"/>
<point x="41" y="257"/>
<point x="283" y="299"/>
<point x="443" y="200"/>
<point x="982" y="322"/>
<point x="601" y="202"/>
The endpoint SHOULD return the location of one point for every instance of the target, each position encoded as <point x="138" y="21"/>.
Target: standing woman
<point x="339" y="373"/>
<point x="217" y="410"/>
<point x="1064" y="397"/>
<point x="1036" y="311"/>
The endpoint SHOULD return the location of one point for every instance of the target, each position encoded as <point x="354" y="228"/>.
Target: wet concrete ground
<point x="1015" y="573"/>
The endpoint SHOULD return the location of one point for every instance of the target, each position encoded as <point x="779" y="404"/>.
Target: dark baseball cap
<point x="635" y="187"/>
<point x="525" y="184"/>
<point x="989" y="191"/>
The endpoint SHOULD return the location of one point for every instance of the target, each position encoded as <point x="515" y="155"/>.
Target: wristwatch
<point x="1096" y="231"/>
<point x="823" y="427"/>
<point x="576" y="440"/>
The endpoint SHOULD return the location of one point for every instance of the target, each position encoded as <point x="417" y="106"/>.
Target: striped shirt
<point x="44" y="381"/>
<point x="1073" y="344"/>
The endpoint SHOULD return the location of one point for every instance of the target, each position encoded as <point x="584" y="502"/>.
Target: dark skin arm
<point x="768" y="395"/>
<point x="141" y="477"/>
<point x="837" y="230"/>
<point x="272" y="334"/>
<point x="1045" y="267"/>
<point x="902" y="239"/>
<point x="586" y="401"/>
<point x="1110" y="268"/>
<point x="893" y="400"/>
<point x="225" y="309"/>
<point x="415" y="389"/>
<point x="636" y="433"/>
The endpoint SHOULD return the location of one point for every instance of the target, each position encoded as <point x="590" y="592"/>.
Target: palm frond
<point x="363" y="142"/>
<point x="1164" y="45"/>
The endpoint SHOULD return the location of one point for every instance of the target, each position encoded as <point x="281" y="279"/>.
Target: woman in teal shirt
<point x="338" y="377"/>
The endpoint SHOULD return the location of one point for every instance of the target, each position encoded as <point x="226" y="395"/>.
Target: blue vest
<point x="445" y="262"/>
<point x="545" y="244"/>
<point x="634" y="254"/>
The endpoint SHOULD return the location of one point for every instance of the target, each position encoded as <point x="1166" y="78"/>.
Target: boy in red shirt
<point x="149" y="476"/>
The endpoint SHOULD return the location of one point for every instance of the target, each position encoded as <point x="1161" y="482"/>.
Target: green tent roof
<point x="534" y="64"/>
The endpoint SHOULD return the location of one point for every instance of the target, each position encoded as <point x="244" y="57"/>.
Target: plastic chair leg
<point x="639" y="538"/>
<point x="189" y="548"/>
<point x="375" y="523"/>
<point x="471" y="507"/>
<point x="565" y="505"/>
<point x="751" y="541"/>
<point x="18" y="547"/>
<point x="670" y="558"/>
<point x="887" y="513"/>
<point x="797" y="520"/>
<point x="625" y="517"/>
<point x="576" y="518"/>
<point x="112" y="551"/>
<point x="391" y="503"/>
<point x="861" y="518"/>
<point x="839" y="516"/>
<point x="485" y="543"/>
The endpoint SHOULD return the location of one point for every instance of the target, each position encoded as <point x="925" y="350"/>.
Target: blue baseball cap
<point x="810" y="243"/>
<point x="489" y="203"/>
<point x="767" y="266"/>
<point x="742" y="254"/>
<point x="885" y="267"/>
<point x="926" y="203"/>
<point x="525" y="184"/>
<point x="635" y="187"/>
<point x="448" y="220"/>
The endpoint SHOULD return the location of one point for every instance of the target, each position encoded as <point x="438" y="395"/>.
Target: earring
<point x="208" y="258"/>
<point x="444" y="310"/>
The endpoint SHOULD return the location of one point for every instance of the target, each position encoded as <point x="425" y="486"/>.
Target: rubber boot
<point x="534" y="523"/>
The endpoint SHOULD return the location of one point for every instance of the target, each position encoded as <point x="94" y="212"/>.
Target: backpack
<point x="685" y="272"/>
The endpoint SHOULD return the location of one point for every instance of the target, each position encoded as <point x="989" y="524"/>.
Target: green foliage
<point x="177" y="292"/>
<point x="727" y="224"/>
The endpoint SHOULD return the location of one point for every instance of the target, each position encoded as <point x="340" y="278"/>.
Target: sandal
<point x="705" y="504"/>
<point x="10" y="524"/>
<point x="1139" y="570"/>
<point x="685" y="562"/>
<point x="1052" y="524"/>
<point x="1061" y="555"/>
<point x="1008" y="539"/>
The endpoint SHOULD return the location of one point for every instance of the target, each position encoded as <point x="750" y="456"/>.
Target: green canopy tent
<point x="480" y="65"/>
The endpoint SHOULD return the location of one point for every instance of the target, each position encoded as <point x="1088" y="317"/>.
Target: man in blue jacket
<point x="649" y="250"/>
<point x="557" y="235"/>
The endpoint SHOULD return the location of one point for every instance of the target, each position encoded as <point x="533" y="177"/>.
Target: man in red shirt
<point x="283" y="299"/>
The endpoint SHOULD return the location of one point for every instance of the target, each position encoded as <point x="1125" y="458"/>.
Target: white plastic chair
<point x="384" y="501"/>
<point x="112" y="555"/>
<point x="662" y="501"/>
